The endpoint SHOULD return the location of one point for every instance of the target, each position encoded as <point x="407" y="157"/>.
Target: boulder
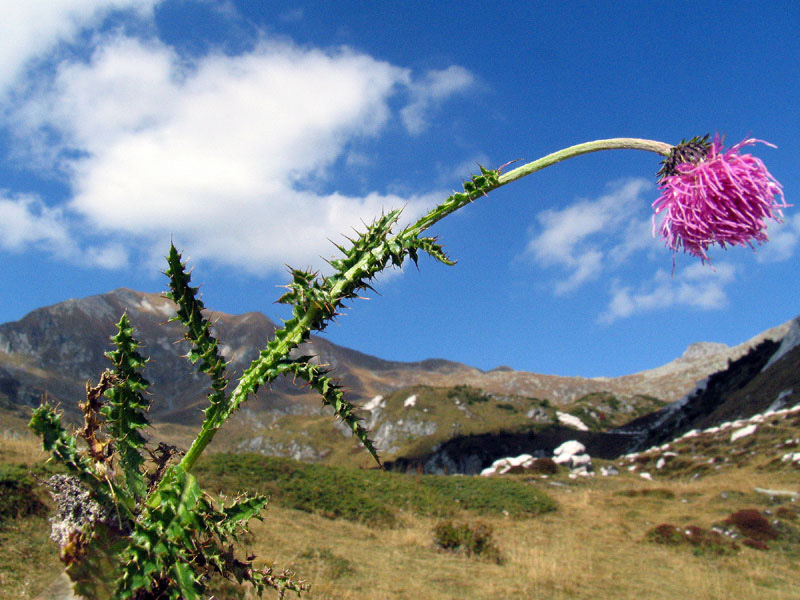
<point x="567" y="450"/>
<point x="573" y="455"/>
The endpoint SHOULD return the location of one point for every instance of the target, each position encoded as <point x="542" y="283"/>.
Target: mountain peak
<point x="704" y="350"/>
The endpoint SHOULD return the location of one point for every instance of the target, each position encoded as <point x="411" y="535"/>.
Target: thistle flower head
<point x="710" y="195"/>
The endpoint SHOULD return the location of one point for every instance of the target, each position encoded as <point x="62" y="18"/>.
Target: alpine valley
<point x="432" y="416"/>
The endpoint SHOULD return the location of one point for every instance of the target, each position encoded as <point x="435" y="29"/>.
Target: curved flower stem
<point x="296" y="331"/>
<point x="585" y="148"/>
<point x="449" y="207"/>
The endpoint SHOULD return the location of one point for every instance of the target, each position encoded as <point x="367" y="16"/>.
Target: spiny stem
<point x="539" y="164"/>
<point x="299" y="329"/>
<point x="239" y="395"/>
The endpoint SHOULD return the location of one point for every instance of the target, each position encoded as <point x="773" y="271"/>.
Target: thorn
<point x="501" y="167"/>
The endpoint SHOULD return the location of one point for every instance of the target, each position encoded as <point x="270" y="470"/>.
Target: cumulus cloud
<point x="783" y="239"/>
<point x="697" y="286"/>
<point x="29" y="29"/>
<point x="594" y="239"/>
<point x="225" y="152"/>
<point x="587" y="237"/>
<point x="431" y="90"/>
<point x="27" y="221"/>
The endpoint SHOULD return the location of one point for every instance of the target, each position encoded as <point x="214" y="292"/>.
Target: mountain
<point x="412" y="408"/>
<point x="55" y="350"/>
<point x="764" y="380"/>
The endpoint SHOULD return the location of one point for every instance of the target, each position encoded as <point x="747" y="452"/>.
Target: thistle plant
<point x="139" y="528"/>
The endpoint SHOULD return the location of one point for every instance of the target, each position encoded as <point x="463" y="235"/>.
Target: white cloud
<point x="221" y="151"/>
<point x="25" y="221"/>
<point x="591" y="240"/>
<point x="783" y="239"/>
<point x="697" y="286"/>
<point x="436" y="86"/>
<point x="588" y="236"/>
<point x="31" y="28"/>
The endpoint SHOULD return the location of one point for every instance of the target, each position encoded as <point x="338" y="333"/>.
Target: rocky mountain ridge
<point x="55" y="350"/>
<point x="764" y="381"/>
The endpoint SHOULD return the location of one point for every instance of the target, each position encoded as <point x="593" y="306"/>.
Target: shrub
<point x="468" y="394"/>
<point x="666" y="534"/>
<point x="367" y="496"/>
<point x="472" y="540"/>
<point x="660" y="493"/>
<point x="752" y="524"/>
<point x="702" y="540"/>
<point x="544" y="466"/>
<point x="18" y="496"/>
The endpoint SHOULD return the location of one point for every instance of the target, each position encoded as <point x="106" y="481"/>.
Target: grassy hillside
<point x="403" y="429"/>
<point x="366" y="534"/>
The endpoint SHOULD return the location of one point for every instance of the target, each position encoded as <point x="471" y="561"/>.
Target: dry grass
<point x="593" y="547"/>
<point x="21" y="449"/>
<point x="29" y="561"/>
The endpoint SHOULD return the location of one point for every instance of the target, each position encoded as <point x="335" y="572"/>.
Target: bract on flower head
<point x="714" y="196"/>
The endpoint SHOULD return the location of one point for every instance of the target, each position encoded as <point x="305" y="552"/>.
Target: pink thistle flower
<point x="710" y="195"/>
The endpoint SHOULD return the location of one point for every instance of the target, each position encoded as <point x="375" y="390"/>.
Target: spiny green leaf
<point x="187" y="588"/>
<point x="205" y="348"/>
<point x="127" y="405"/>
<point x="46" y="423"/>
<point x="332" y="395"/>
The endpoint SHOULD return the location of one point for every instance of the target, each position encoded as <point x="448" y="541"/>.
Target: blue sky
<point x="252" y="133"/>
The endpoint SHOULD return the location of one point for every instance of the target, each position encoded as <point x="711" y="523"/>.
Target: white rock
<point x="488" y="471"/>
<point x="376" y="402"/>
<point x="500" y="462"/>
<point x="711" y="430"/>
<point x="646" y="476"/>
<point x="609" y="471"/>
<point x="690" y="434"/>
<point x="791" y="457"/>
<point x="743" y="432"/>
<point x="410" y="401"/>
<point x="569" y="448"/>
<point x="661" y="462"/>
<point x="520" y="460"/>
<point x="757" y="418"/>
<point x="571" y="421"/>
